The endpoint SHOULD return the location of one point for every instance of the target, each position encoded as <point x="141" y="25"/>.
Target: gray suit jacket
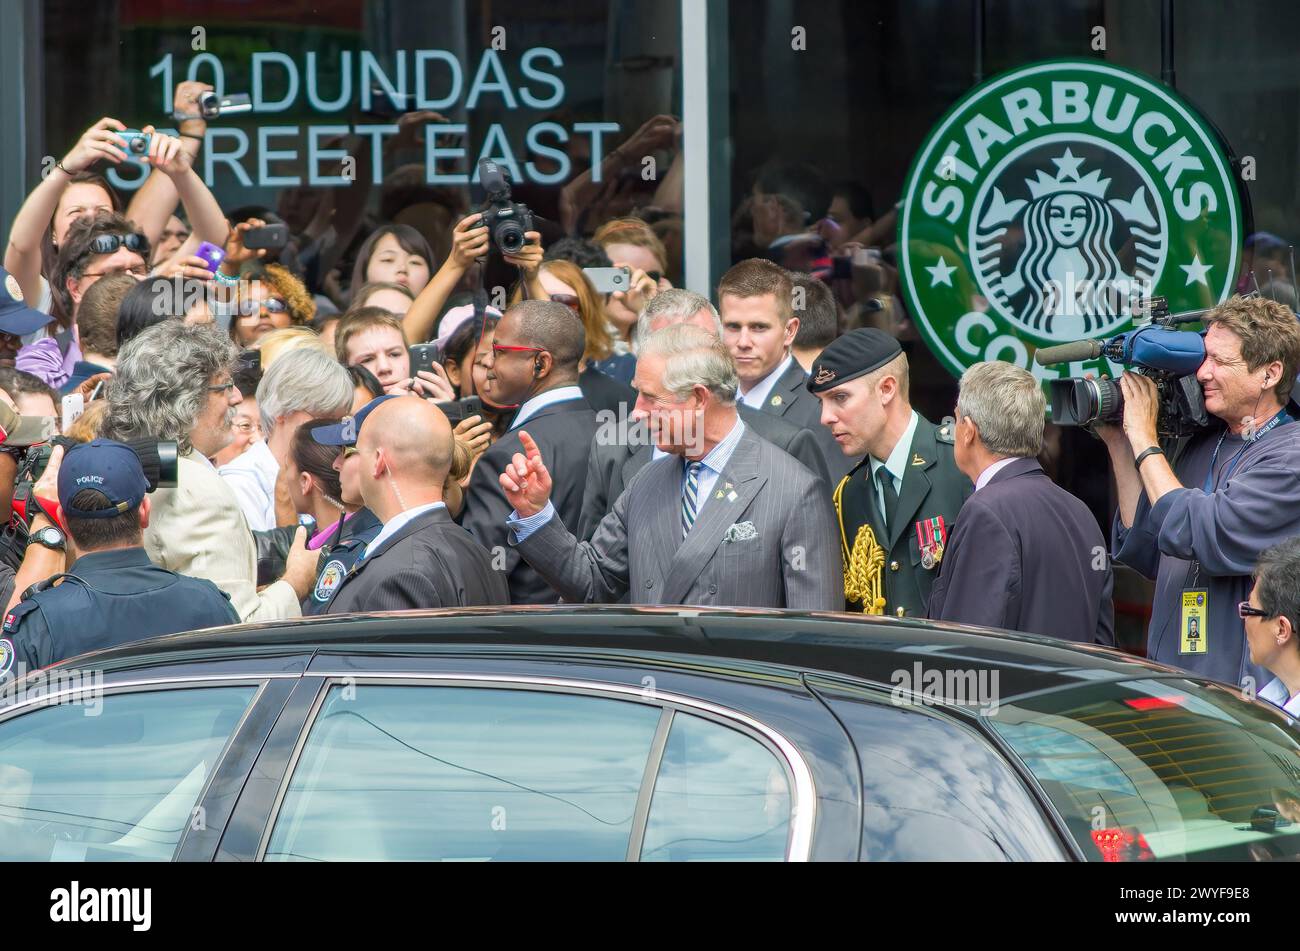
<point x="773" y="545"/>
<point x="791" y="401"/>
<point x="614" y="461"/>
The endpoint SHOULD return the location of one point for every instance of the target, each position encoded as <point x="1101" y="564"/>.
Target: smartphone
<point x="606" y="280"/>
<point x="463" y="408"/>
<point x="137" y="145"/>
<point x="424" y="356"/>
<point x="212" y="256"/>
<point x="271" y="237"/>
<point x="74" y="404"/>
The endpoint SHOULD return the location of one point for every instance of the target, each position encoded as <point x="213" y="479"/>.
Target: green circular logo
<point x="1050" y="201"/>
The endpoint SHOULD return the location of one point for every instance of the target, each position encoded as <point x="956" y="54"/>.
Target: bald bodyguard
<point x="420" y="558"/>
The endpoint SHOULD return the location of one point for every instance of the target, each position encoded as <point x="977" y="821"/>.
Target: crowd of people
<point x="246" y="436"/>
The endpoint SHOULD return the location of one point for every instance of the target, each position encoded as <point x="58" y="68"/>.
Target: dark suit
<point x="1027" y="556"/>
<point x="791" y="401"/>
<point x="604" y="393"/>
<point x="563" y="432"/>
<point x="431" y="562"/>
<point x="933" y="486"/>
<point x="616" y="456"/>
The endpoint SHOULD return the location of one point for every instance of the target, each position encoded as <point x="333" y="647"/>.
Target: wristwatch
<point x="51" y="537"/>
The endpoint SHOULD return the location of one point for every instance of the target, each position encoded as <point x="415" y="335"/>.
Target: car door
<point x="493" y="766"/>
<point x="123" y="771"/>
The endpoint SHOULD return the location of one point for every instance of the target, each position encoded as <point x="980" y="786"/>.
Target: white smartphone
<point x="606" y="280"/>
<point x="74" y="404"/>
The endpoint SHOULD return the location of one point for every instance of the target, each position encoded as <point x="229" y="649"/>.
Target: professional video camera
<point x="157" y="459"/>
<point x="1156" y="350"/>
<point x="506" y="220"/>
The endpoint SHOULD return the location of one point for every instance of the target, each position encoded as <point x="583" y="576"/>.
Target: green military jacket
<point x="932" y="487"/>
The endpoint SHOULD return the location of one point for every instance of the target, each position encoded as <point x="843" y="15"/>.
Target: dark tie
<point x="886" y="480"/>
<point x="690" y="496"/>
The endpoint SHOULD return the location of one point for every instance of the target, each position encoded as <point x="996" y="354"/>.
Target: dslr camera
<point x="1156" y="350"/>
<point x="157" y="459"/>
<point x="506" y="220"/>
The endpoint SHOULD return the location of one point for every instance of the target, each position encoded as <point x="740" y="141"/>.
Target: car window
<point x="934" y="789"/>
<point x="720" y="796"/>
<point x="430" y="773"/>
<point x="113" y="781"/>
<point x="1163" y="769"/>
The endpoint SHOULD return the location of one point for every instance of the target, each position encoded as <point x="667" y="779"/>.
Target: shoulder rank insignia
<point x="946" y="431"/>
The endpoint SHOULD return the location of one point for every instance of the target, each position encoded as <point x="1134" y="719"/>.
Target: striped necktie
<point x="690" y="496"/>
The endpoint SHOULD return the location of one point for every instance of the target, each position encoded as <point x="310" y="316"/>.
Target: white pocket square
<point x="740" y="532"/>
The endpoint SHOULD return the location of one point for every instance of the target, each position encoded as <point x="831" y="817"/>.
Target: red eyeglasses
<point x="498" y="349"/>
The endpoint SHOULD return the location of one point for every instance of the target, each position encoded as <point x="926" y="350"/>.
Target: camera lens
<point x="139" y="145"/>
<point x="509" y="237"/>
<point x="1080" y="402"/>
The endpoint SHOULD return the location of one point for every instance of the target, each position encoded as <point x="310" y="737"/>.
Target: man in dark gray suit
<point x="621" y="449"/>
<point x="725" y="519"/>
<point x="1025" y="554"/>
<point x="534" y="364"/>
<point x="759" y="325"/>
<point x="420" y="558"/>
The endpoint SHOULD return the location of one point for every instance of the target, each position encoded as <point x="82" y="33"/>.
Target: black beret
<point x="851" y="355"/>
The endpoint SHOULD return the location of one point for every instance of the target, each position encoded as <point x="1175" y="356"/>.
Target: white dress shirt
<point x="251" y="476"/>
<point x="542" y="400"/>
<point x="993" y="470"/>
<point x="758" y="393"/>
<point x="896" y="464"/>
<point x="711" y="467"/>
<point x="394" y="525"/>
<point x="1275" y="692"/>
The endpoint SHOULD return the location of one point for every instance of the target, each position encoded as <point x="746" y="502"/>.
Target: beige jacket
<point x="197" y="529"/>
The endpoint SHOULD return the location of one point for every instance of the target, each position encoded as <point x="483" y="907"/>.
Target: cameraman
<point x="1196" y="521"/>
<point x="112" y="593"/>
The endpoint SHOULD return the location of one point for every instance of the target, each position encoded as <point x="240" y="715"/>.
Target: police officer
<point x="112" y="593"/>
<point x="897" y="507"/>
<point x="358" y="529"/>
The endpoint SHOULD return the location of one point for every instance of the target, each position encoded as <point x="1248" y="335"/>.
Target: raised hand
<point x="100" y="141"/>
<point x="525" y="481"/>
<point x="469" y="241"/>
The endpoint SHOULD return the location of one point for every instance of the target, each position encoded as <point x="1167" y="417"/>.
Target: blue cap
<point x="108" y="467"/>
<point x="345" y="433"/>
<point x="15" y="316"/>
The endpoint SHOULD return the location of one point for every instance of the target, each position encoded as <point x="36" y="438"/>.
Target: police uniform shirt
<point x="105" y="599"/>
<point x="358" y="531"/>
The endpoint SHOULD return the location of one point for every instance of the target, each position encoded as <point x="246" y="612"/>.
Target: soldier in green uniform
<point x="898" y="506"/>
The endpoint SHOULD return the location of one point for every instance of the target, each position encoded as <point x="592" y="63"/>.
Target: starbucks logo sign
<point x="1049" y="201"/>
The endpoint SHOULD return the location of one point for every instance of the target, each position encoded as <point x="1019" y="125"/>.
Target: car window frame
<point x="799" y="776"/>
<point x="128" y="686"/>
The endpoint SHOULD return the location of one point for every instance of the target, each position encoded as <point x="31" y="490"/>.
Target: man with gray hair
<point x="1025" y="554"/>
<point x="174" y="382"/>
<point x="301" y="384"/>
<point x="619" y="451"/>
<point x="723" y="518"/>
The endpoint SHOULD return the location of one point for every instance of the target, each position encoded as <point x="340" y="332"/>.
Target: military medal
<point x="931" y="537"/>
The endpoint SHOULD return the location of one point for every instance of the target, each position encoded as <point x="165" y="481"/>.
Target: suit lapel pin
<point x="731" y="496"/>
<point x="776" y="400"/>
<point x="719" y="495"/>
<point x="917" y="460"/>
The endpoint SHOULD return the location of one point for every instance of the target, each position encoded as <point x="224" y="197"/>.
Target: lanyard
<point x="1277" y="420"/>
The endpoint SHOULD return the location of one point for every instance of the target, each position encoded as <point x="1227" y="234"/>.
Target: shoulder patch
<point x="15" y="616"/>
<point x="327" y="582"/>
<point x="7" y="653"/>
<point x="946" y="431"/>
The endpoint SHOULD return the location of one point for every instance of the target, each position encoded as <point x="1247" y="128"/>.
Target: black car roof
<point x="868" y="648"/>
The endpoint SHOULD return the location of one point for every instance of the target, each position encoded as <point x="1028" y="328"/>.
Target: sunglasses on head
<point x="109" y="243"/>
<point x="251" y="308"/>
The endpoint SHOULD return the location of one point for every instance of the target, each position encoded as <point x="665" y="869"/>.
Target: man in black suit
<point x="759" y="325"/>
<point x="533" y="364"/>
<point x="420" y="558"/>
<point x="622" y="448"/>
<point x="1025" y="554"/>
